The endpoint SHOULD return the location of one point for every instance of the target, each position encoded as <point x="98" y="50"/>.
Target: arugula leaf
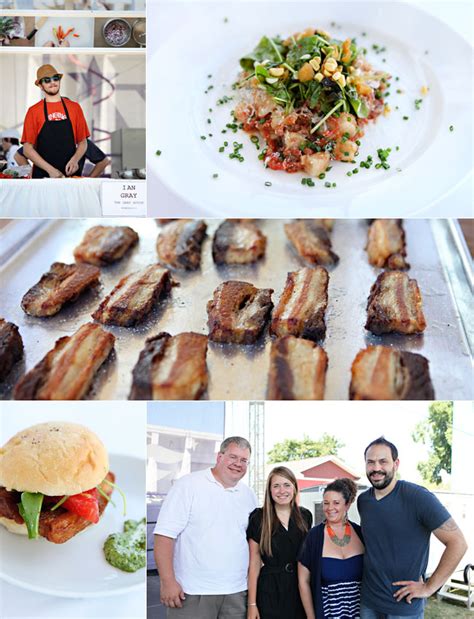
<point x="267" y="49"/>
<point x="30" y="508"/>
<point x="313" y="93"/>
<point x="360" y="108"/>
<point x="309" y="45"/>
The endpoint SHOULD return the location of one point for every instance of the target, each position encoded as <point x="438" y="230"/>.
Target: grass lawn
<point x="437" y="609"/>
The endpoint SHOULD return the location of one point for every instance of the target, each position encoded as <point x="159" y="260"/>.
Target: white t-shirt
<point x="209" y="524"/>
<point x="10" y="156"/>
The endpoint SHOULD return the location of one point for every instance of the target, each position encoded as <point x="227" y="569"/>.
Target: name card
<point x="124" y="198"/>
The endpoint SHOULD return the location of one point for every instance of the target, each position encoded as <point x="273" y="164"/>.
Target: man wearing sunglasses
<point x="55" y="131"/>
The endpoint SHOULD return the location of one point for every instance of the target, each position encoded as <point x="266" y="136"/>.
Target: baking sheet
<point x="239" y="372"/>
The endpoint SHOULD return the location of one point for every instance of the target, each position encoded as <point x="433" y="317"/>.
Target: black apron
<point x="55" y="143"/>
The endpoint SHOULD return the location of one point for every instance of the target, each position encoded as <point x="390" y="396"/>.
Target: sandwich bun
<point x="54" y="458"/>
<point x="14" y="527"/>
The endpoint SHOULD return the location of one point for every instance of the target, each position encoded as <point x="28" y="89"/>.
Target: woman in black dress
<point x="275" y="533"/>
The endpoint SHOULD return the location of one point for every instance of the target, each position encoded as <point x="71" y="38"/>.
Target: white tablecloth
<point x="47" y="197"/>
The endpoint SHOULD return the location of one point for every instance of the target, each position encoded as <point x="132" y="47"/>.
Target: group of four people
<point x="219" y="556"/>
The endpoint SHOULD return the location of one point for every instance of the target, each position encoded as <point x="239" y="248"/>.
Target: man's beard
<point x="382" y="483"/>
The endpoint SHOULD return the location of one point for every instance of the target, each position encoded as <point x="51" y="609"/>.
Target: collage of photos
<point x="236" y="309"/>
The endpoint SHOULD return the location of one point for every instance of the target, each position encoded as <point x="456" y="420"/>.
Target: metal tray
<point x="240" y="372"/>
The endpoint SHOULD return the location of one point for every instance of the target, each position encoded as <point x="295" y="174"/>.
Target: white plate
<point x="83" y="26"/>
<point x="431" y="160"/>
<point x="77" y="568"/>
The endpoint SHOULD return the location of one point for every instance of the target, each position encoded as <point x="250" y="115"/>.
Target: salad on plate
<point x="310" y="98"/>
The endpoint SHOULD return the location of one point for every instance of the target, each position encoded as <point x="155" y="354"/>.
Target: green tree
<point x="293" y="449"/>
<point x="436" y="432"/>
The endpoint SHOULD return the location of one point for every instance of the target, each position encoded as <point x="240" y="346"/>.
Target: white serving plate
<point x="77" y="568"/>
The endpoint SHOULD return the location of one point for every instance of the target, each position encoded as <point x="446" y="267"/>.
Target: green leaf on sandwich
<point x="30" y="508"/>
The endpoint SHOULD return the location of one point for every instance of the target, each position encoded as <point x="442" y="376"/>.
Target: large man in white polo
<point x="201" y="548"/>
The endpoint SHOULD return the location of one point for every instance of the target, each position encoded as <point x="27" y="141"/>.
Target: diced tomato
<point x="85" y="504"/>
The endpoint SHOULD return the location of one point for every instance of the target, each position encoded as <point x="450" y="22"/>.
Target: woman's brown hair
<point x="344" y="486"/>
<point x="270" y="521"/>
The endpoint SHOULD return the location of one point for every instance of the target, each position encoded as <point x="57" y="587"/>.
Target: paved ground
<point x="155" y="610"/>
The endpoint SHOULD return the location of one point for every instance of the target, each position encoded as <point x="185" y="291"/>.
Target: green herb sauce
<point x="127" y="551"/>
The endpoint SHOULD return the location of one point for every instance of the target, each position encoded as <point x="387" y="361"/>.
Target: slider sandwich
<point x="54" y="481"/>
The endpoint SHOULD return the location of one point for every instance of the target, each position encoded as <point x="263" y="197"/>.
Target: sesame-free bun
<point x="54" y="458"/>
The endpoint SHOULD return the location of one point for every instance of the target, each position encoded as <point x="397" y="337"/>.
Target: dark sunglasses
<point x="46" y="80"/>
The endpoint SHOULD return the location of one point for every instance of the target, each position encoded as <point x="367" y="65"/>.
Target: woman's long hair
<point x="270" y="521"/>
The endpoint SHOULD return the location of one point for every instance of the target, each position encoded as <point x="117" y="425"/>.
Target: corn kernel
<point x="315" y="63"/>
<point x="337" y="75"/>
<point x="319" y="77"/>
<point x="424" y="90"/>
<point x="277" y="71"/>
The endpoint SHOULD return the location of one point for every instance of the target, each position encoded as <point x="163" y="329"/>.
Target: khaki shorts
<point x="231" y="606"/>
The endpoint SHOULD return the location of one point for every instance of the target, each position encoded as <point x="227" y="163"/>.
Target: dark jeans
<point x="368" y="613"/>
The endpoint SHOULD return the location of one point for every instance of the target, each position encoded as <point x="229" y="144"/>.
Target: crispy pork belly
<point x="134" y="296"/>
<point x="62" y="284"/>
<point x="103" y="245"/>
<point x="311" y="241"/>
<point x="302" y="305"/>
<point x="297" y="370"/>
<point x="171" y="368"/>
<point x="238" y="312"/>
<point x="11" y="347"/>
<point x="67" y="371"/>
<point x="56" y="526"/>
<point x="386" y="244"/>
<point x="382" y="373"/>
<point x="180" y="242"/>
<point x="395" y="305"/>
<point x="238" y="241"/>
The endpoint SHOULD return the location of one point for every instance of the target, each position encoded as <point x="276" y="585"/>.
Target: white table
<point x="67" y="197"/>
<point x="47" y="197"/>
<point x="164" y="203"/>
<point x="124" y="424"/>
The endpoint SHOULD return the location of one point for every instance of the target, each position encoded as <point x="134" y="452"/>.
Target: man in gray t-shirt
<point x="397" y="519"/>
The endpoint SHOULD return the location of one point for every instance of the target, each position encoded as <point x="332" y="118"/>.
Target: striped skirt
<point x="341" y="600"/>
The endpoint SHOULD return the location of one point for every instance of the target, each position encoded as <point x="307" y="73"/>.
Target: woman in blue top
<point x="331" y="560"/>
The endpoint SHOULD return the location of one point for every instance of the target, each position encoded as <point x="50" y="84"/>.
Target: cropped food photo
<point x="272" y="309"/>
<point x="325" y="109"/>
<point x="71" y="499"/>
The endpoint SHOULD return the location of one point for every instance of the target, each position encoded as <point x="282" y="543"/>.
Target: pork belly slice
<point x="302" y="305"/>
<point x="67" y="371"/>
<point x="103" y="245"/>
<point x="62" y="284"/>
<point x="395" y="305"/>
<point x="134" y="296"/>
<point x="60" y="525"/>
<point x="311" y="241"/>
<point x="171" y="368"/>
<point x="238" y="312"/>
<point x="382" y="373"/>
<point x="180" y="242"/>
<point x="386" y="244"/>
<point x="11" y="347"/>
<point x="238" y="241"/>
<point x="297" y="370"/>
